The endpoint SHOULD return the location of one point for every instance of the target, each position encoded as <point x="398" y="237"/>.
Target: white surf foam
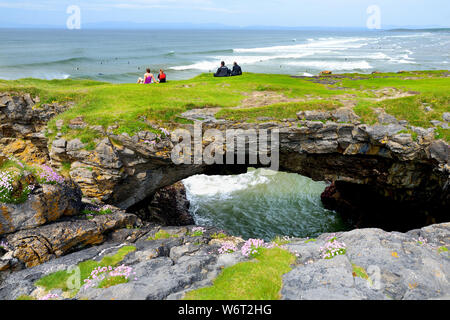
<point x="202" y="185"/>
<point x="214" y="63"/>
<point x="333" y="65"/>
<point x="38" y="75"/>
<point x="374" y="56"/>
<point x="323" y="43"/>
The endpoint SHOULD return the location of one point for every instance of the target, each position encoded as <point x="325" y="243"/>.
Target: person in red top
<point x="162" y="76"/>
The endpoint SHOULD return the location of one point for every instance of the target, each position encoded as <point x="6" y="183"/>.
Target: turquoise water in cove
<point x="261" y="204"/>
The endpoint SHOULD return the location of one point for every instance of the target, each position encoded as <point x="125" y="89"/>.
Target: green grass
<point x="443" y="134"/>
<point x="219" y="235"/>
<point x="442" y="249"/>
<point x="25" y="297"/>
<point x="96" y="213"/>
<point x="58" y="280"/>
<point x="276" y="111"/>
<point x="361" y="273"/>
<point x="162" y="234"/>
<point x="134" y="107"/>
<point x="280" y="241"/>
<point x="112" y="281"/>
<point x="259" y="279"/>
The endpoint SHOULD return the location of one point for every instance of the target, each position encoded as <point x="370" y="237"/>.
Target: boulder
<point x="446" y="116"/>
<point x="169" y="206"/>
<point x="377" y="265"/>
<point x="46" y="203"/>
<point x="41" y="244"/>
<point x="314" y="115"/>
<point x="439" y="150"/>
<point x="346" y="115"/>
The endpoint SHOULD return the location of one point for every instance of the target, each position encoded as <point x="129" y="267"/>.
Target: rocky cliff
<point x="376" y="265"/>
<point x="381" y="175"/>
<point x="390" y="175"/>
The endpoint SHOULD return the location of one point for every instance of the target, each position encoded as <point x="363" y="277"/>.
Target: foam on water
<point x="333" y="65"/>
<point x="261" y="204"/>
<point x="223" y="186"/>
<point x="214" y="63"/>
<point x="324" y="43"/>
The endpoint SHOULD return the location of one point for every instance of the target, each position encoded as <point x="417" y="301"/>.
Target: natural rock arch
<point x="373" y="168"/>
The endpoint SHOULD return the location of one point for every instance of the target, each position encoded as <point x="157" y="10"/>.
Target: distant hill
<point x="124" y="25"/>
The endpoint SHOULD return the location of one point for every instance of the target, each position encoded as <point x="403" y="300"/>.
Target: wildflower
<point x="332" y="248"/>
<point x="198" y="231"/>
<point x="48" y="175"/>
<point x="6" y="188"/>
<point x="165" y="132"/>
<point x="4" y="245"/>
<point x="252" y="247"/>
<point x="150" y="142"/>
<point x="227" y="247"/>
<point x="50" y="296"/>
<point x="107" y="272"/>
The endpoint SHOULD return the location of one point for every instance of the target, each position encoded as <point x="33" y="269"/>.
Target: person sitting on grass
<point x="237" y="71"/>
<point x="148" y="78"/>
<point x="222" y="71"/>
<point x="162" y="76"/>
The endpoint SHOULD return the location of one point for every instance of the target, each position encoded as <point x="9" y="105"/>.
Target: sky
<point x="285" y="13"/>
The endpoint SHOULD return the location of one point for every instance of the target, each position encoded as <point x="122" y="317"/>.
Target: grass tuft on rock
<point x="162" y="234"/>
<point x="59" y="279"/>
<point x="259" y="279"/>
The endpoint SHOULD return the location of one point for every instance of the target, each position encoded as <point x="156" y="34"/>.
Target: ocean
<point x="121" y="56"/>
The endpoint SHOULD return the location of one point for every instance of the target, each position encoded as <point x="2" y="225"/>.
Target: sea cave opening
<point x="262" y="204"/>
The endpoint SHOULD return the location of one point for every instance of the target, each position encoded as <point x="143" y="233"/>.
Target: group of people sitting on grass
<point x="223" y="71"/>
<point x="150" y="78"/>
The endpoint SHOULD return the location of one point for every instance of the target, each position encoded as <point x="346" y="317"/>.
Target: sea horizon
<point x="121" y="56"/>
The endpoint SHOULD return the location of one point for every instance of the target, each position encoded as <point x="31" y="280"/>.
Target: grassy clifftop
<point x="417" y="97"/>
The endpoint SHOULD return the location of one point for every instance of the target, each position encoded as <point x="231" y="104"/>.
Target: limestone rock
<point x="398" y="266"/>
<point x="446" y="116"/>
<point x="439" y="150"/>
<point x="169" y="206"/>
<point x="38" y="245"/>
<point x="346" y="115"/>
<point x="46" y="204"/>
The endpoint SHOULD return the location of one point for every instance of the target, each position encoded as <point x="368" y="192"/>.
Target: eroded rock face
<point x="47" y="203"/>
<point x="169" y="206"/>
<point x="306" y="147"/>
<point x="36" y="246"/>
<point x="399" y="266"/>
<point x="125" y="171"/>
<point x="22" y="125"/>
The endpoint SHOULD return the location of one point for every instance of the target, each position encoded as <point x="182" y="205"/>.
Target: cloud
<point x="42" y="5"/>
<point x="200" y="5"/>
